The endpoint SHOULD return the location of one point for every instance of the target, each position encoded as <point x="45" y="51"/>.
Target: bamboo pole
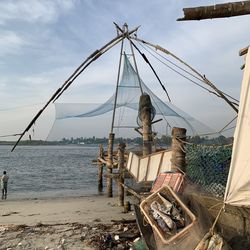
<point x="95" y="55"/>
<point x="146" y="60"/>
<point x="216" y="11"/>
<point x="136" y="68"/>
<point x="243" y="51"/>
<point x="121" y="161"/>
<point x="100" y="169"/>
<point x="178" y="160"/>
<point x="116" y="90"/>
<point x="110" y="165"/>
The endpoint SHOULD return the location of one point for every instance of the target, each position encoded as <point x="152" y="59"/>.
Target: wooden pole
<point x="100" y="169"/>
<point x="94" y="56"/>
<point x="178" y="161"/>
<point x="145" y="108"/>
<point x="244" y="51"/>
<point x="110" y="164"/>
<point x="216" y="11"/>
<point x="121" y="161"/>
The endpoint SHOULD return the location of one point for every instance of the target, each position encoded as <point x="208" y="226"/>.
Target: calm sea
<point x="49" y="171"/>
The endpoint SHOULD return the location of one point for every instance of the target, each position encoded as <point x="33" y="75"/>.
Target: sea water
<point x="49" y="171"/>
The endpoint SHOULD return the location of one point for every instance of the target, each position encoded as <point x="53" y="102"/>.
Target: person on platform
<point x="4" y="185"/>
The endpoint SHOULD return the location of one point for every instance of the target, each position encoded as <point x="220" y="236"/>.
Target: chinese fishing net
<point x="130" y="88"/>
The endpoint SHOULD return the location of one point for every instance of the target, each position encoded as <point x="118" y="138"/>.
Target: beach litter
<point x="119" y="234"/>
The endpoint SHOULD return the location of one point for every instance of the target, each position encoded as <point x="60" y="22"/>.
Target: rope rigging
<point x="206" y="81"/>
<point x="73" y="76"/>
<point x="2" y="136"/>
<point x="181" y="73"/>
<point x="150" y="65"/>
<point x="166" y="59"/>
<point x="121" y="35"/>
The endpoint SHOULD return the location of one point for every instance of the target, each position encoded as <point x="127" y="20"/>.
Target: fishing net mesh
<point x="130" y="88"/>
<point x="208" y="166"/>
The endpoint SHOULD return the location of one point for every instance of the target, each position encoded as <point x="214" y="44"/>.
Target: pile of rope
<point x="208" y="166"/>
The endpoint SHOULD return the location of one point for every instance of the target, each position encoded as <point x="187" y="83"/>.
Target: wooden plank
<point x="216" y="11"/>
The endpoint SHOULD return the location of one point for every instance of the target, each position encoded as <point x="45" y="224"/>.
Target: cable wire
<point x="180" y="69"/>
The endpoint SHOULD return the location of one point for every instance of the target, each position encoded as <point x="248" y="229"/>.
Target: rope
<point x="178" y="71"/>
<point x="200" y="79"/>
<point x="150" y="65"/>
<point x="220" y="203"/>
<point x="216" y="219"/>
<point x="179" y="145"/>
<point x="228" y="124"/>
<point x="182" y="74"/>
<point x="2" y="136"/>
<point x="202" y="145"/>
<point x="169" y="61"/>
<point x="229" y="128"/>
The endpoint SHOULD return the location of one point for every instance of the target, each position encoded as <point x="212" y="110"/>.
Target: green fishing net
<point x="208" y="166"/>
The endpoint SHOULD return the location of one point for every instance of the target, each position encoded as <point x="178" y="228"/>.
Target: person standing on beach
<point x="4" y="184"/>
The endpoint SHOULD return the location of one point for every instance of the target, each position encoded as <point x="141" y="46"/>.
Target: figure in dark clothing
<point x="4" y="185"/>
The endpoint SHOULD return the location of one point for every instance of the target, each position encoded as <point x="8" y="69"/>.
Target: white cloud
<point x="45" y="11"/>
<point x="10" y="43"/>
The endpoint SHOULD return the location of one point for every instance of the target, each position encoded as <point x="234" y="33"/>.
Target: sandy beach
<point x="63" y="223"/>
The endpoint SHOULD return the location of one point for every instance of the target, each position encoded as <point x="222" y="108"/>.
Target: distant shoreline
<point x="44" y="143"/>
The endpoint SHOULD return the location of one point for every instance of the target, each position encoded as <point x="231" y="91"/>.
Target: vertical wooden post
<point x="121" y="161"/>
<point x="110" y="164"/>
<point x="178" y="154"/>
<point x="100" y="169"/>
<point x="145" y="107"/>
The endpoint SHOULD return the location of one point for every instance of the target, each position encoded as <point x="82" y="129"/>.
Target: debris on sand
<point x="115" y="235"/>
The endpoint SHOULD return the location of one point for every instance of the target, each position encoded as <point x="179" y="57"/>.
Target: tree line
<point x="160" y="141"/>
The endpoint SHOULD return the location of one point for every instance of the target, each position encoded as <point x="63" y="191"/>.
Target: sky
<point x="43" y="42"/>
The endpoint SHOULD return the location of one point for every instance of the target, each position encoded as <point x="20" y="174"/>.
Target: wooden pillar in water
<point x="100" y="169"/>
<point x="110" y="165"/>
<point x="121" y="161"/>
<point x="145" y="108"/>
<point x="178" y="160"/>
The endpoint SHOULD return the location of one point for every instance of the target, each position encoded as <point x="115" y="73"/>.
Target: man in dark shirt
<point x="4" y="185"/>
